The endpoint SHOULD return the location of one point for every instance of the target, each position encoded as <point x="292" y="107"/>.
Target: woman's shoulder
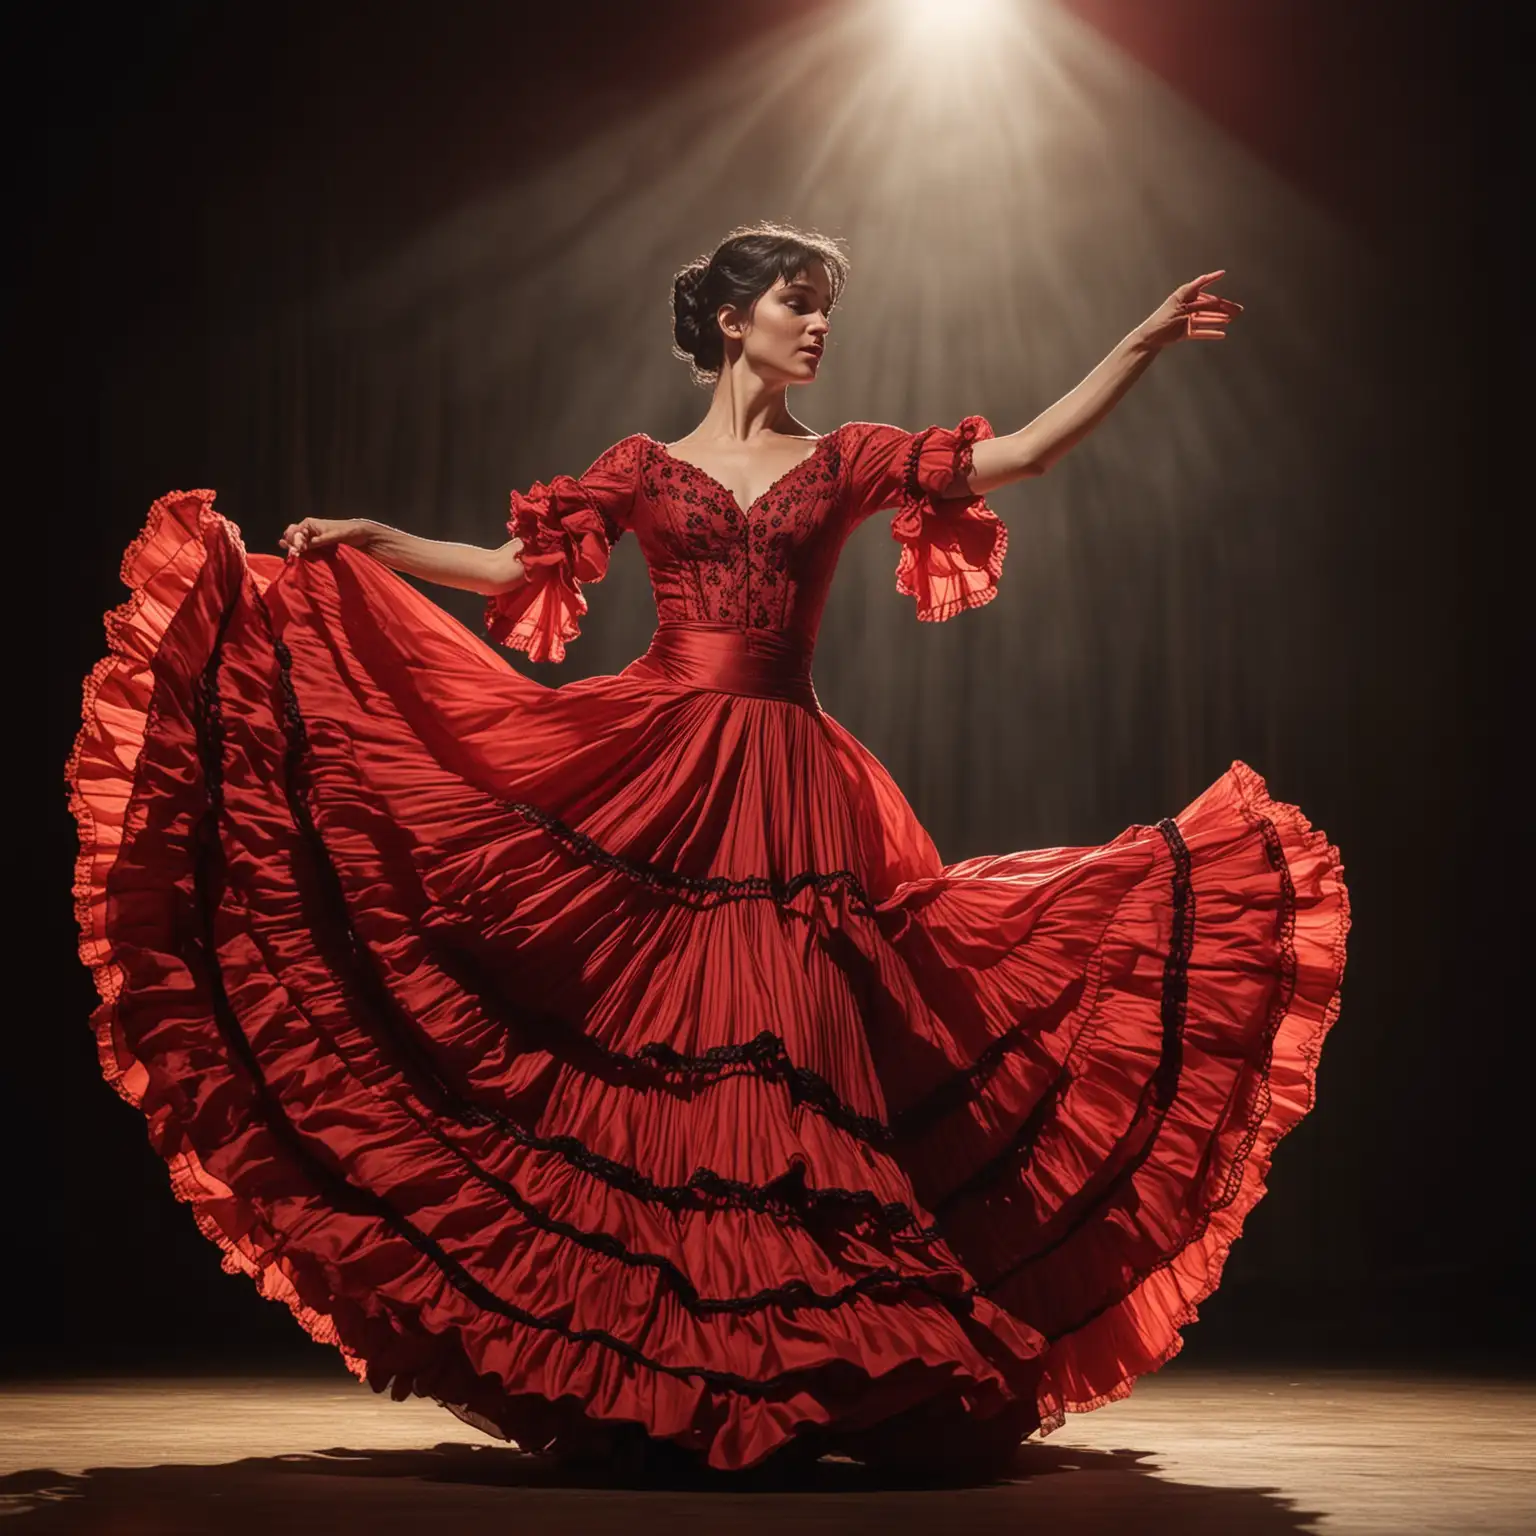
<point x="857" y="431"/>
<point x="618" y="458"/>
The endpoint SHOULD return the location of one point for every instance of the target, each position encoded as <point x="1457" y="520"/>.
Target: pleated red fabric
<point x="623" y="1053"/>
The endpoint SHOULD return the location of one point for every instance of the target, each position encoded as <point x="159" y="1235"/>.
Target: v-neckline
<point x="726" y="491"/>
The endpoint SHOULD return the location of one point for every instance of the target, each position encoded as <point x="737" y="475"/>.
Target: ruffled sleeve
<point x="952" y="548"/>
<point x="567" y="528"/>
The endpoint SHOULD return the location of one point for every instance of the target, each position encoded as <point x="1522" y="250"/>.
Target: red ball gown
<point x="623" y="1053"/>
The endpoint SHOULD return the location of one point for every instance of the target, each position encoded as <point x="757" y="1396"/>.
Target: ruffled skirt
<point x="623" y="1054"/>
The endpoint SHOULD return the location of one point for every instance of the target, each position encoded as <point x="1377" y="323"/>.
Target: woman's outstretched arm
<point x="1187" y="313"/>
<point x="466" y="566"/>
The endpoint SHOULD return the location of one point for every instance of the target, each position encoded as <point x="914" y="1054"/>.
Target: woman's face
<point x="783" y="336"/>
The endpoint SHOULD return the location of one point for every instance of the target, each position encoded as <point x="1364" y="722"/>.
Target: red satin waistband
<point x="724" y="658"/>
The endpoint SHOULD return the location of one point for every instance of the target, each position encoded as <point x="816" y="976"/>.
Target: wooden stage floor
<point x="1189" y="1452"/>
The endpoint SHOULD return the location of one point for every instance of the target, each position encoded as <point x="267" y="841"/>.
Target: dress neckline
<point x="725" y="490"/>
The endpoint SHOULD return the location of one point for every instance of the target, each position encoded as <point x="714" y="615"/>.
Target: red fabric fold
<point x="565" y="542"/>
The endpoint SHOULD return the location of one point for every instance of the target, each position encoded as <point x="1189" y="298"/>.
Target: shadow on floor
<point x="474" y="1489"/>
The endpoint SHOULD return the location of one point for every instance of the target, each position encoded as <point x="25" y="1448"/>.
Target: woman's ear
<point x="731" y="321"/>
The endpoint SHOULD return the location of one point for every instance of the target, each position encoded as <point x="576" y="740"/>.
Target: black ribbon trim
<point x="955" y="1091"/>
<point x="793" y="1296"/>
<point x="766" y="1054"/>
<point x="702" y="891"/>
<point x="657" y="1065"/>
<point x="910" y="483"/>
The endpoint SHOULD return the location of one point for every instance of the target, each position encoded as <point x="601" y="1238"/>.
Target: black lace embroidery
<point x="773" y="533"/>
<point x="659" y="1066"/>
<point x="790" y="1297"/>
<point x="696" y="890"/>
<point x="741" y="563"/>
<point x="704" y="534"/>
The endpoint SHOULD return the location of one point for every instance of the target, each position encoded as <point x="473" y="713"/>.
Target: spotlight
<point x="949" y="15"/>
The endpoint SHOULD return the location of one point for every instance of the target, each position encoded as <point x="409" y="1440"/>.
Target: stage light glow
<point x="945" y="29"/>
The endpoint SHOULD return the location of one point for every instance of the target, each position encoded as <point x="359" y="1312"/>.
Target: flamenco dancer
<point x="618" y="1064"/>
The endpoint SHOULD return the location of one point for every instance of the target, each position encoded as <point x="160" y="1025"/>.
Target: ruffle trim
<point x="565" y="541"/>
<point x="952" y="549"/>
<point x="119" y="711"/>
<point x="1306" y="1006"/>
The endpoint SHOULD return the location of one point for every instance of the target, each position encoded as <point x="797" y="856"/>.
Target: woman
<point x="619" y="1064"/>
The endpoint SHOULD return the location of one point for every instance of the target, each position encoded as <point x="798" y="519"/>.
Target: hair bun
<point x="694" y="330"/>
<point x="688" y="287"/>
<point x="741" y="268"/>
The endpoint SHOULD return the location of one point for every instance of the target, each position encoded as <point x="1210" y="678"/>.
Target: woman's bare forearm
<point x="1189" y="313"/>
<point x="1034" y="448"/>
<point x="470" y="567"/>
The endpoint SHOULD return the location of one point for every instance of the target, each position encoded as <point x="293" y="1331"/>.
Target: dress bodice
<point x="764" y="567"/>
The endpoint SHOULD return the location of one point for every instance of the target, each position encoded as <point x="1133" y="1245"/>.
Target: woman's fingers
<point x="299" y="536"/>
<point x="1187" y="291"/>
<point x="1206" y="324"/>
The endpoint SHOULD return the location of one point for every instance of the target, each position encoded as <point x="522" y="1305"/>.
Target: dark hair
<point x="743" y="267"/>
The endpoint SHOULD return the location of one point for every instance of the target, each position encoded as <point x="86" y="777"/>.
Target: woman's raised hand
<point x="314" y="533"/>
<point x="1189" y="313"/>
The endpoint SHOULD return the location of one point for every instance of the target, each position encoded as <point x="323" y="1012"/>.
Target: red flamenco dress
<point x="621" y="1058"/>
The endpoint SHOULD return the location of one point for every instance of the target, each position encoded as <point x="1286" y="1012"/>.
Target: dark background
<point x="186" y="167"/>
